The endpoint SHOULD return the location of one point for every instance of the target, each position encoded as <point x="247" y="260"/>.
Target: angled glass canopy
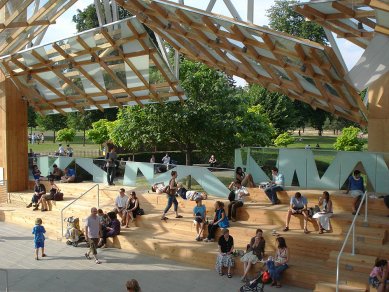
<point x="298" y="68"/>
<point x="354" y="20"/>
<point x="112" y="66"/>
<point x="21" y="21"/>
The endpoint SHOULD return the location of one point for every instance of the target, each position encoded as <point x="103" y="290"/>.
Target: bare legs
<point x="199" y="230"/>
<point x="293" y="212"/>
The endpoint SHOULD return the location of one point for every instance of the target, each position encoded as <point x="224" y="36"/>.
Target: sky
<point x="65" y="27"/>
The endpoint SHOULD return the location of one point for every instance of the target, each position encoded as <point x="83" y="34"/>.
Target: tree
<point x="283" y="140"/>
<point x="349" y="140"/>
<point x="283" y="18"/>
<point x="278" y="107"/>
<point x="51" y="123"/>
<point x="66" y="135"/>
<point x="214" y="118"/>
<point x="80" y="121"/>
<point x="31" y="116"/>
<point x="99" y="133"/>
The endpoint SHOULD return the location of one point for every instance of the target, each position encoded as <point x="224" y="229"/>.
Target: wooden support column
<point x="379" y="115"/>
<point x="13" y="136"/>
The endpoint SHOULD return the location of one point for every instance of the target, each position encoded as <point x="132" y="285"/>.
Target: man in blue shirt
<point x="277" y="184"/>
<point x="298" y="205"/>
<point x="70" y="175"/>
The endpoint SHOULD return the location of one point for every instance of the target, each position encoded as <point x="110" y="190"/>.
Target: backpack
<point x="58" y="196"/>
<point x="231" y="196"/>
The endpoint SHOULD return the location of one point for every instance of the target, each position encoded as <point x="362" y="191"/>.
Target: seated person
<point x="36" y="173"/>
<point x="225" y="257"/>
<point x="70" y="175"/>
<point x="199" y="213"/>
<point x="255" y="252"/>
<point x="56" y="174"/>
<point x="356" y="188"/>
<point x="103" y="218"/>
<point x="212" y="161"/>
<point x="323" y="217"/>
<point x="298" y="205"/>
<point x="279" y="263"/>
<point x="120" y="205"/>
<point x="39" y="191"/>
<point x="132" y="208"/>
<point x="111" y="230"/>
<point x="379" y="275"/>
<point x="276" y="184"/>
<point x="219" y="220"/>
<point x="245" y="179"/>
<point x="240" y="192"/>
<point x="46" y="199"/>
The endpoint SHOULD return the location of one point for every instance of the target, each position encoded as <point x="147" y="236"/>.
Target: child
<point x="199" y="213"/>
<point x="377" y="276"/>
<point x="39" y="238"/>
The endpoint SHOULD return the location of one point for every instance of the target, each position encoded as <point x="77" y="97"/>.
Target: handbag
<point x="266" y="277"/>
<point x="231" y="196"/>
<point x="140" y="212"/>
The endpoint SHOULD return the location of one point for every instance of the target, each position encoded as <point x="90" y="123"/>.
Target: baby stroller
<point x="73" y="234"/>
<point x="258" y="284"/>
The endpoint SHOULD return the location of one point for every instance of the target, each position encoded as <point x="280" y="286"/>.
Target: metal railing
<point x="351" y="230"/>
<point x="83" y="194"/>
<point x="6" y="278"/>
<point x="4" y="195"/>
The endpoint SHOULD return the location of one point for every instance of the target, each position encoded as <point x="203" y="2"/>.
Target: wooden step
<point x="331" y="287"/>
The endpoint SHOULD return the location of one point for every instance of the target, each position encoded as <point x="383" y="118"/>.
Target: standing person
<point x="92" y="234"/>
<point x="33" y="138"/>
<point x="199" y="212"/>
<point x="171" y="197"/>
<point x="111" y="158"/>
<point x="220" y="220"/>
<point x="166" y="159"/>
<point x="39" y="191"/>
<point x="61" y="150"/>
<point x="356" y="188"/>
<point x="255" y="252"/>
<point x="323" y="217"/>
<point x="280" y="262"/>
<point x="152" y="159"/>
<point x="212" y="161"/>
<point x="120" y="205"/>
<point x="276" y="184"/>
<point x="69" y="150"/>
<point x="39" y="237"/>
<point x="42" y="138"/>
<point x="224" y="258"/>
<point x="240" y="192"/>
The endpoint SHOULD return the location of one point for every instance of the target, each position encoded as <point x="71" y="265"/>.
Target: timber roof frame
<point x="298" y="68"/>
<point x="115" y="65"/>
<point x="355" y="20"/>
<point x="22" y="21"/>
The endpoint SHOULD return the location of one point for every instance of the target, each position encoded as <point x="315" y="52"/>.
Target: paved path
<point x="66" y="269"/>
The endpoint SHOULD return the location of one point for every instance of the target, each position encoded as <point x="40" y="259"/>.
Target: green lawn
<point x="325" y="142"/>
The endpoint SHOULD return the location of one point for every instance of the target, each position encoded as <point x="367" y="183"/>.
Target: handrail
<point x="98" y="202"/>
<point x="352" y="228"/>
<point x="6" y="278"/>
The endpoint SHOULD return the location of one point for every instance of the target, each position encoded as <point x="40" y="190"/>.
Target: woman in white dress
<point x="323" y="217"/>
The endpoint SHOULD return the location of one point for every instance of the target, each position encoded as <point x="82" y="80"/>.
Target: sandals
<point x="229" y="275"/>
<point x="306" y="231"/>
<point x="87" y="256"/>
<point x="286" y="229"/>
<point x="321" y="231"/>
<point x="97" y="262"/>
<point x="44" y="255"/>
<point x="164" y="218"/>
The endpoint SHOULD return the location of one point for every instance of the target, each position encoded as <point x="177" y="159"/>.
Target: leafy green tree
<point x="80" y="121"/>
<point x="349" y="140"/>
<point x="66" y="135"/>
<point x="99" y="133"/>
<point x="283" y="18"/>
<point x="31" y="116"/>
<point x="283" y="140"/>
<point x="51" y="123"/>
<point x="278" y="107"/>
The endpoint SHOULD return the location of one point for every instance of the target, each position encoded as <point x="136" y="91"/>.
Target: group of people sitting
<point x="41" y="198"/>
<point x="65" y="176"/>
<point x="127" y="207"/>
